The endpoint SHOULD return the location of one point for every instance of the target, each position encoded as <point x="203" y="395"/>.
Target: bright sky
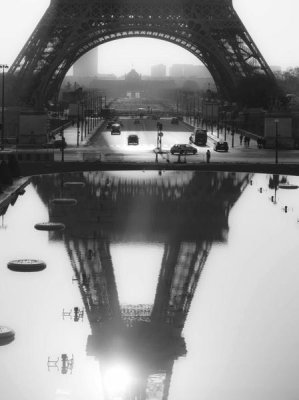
<point x="273" y="25"/>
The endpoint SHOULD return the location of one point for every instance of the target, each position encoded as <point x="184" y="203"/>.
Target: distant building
<point x="133" y="85"/>
<point x="176" y="71"/>
<point x="158" y="71"/>
<point x="195" y="84"/>
<point x="87" y="65"/>
<point x="132" y="76"/>
<point x="275" y="68"/>
<point x="106" y="76"/>
<point x="188" y="71"/>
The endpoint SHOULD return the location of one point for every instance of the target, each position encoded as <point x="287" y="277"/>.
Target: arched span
<point x="223" y="82"/>
<point x="210" y="29"/>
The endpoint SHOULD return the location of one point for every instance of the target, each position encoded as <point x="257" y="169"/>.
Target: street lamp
<point x="276" y="140"/>
<point x="82" y="119"/>
<point x="62" y="144"/>
<point x="3" y="67"/>
<point x="78" y="123"/>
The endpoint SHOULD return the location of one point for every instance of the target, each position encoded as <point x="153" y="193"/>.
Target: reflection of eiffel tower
<point x="150" y="335"/>
<point x="188" y="205"/>
<point x="181" y="268"/>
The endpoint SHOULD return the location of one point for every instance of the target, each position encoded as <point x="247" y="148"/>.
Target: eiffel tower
<point x="209" y="29"/>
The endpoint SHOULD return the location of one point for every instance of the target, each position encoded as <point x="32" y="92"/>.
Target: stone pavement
<point x="236" y="141"/>
<point x="74" y="140"/>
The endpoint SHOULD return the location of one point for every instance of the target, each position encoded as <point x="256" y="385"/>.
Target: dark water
<point x="179" y="285"/>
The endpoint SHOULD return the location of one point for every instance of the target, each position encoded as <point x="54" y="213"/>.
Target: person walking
<point x="241" y="139"/>
<point x="208" y="156"/>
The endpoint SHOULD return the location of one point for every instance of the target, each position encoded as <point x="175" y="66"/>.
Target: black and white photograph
<point x="149" y="200"/>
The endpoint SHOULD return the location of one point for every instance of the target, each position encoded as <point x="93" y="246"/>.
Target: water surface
<point x="167" y="285"/>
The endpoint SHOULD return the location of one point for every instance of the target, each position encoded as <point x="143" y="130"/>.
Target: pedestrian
<point x="208" y="156"/>
<point x="241" y="139"/>
<point x="32" y="138"/>
<point x="63" y="145"/>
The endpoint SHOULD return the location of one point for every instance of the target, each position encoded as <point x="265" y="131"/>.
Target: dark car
<point x="221" y="146"/>
<point x="133" y="139"/>
<point x="174" y="120"/>
<point x="183" y="149"/>
<point x="115" y="129"/>
<point x="59" y="143"/>
<point x="109" y="124"/>
<point x="137" y="121"/>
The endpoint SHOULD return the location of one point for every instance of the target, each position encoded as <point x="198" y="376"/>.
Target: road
<point x="115" y="147"/>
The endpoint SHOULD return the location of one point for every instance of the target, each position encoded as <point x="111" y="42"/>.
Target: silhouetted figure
<point x="208" y="156"/>
<point x="179" y="156"/>
<point x="63" y="144"/>
<point x="5" y="173"/>
<point x="89" y="254"/>
<point x="32" y="138"/>
<point x="241" y="139"/>
<point x="13" y="166"/>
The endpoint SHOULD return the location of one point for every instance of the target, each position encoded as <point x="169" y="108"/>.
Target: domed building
<point x="134" y="86"/>
<point x="132" y="76"/>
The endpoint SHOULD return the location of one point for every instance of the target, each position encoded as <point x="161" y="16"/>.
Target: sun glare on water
<point x="118" y="380"/>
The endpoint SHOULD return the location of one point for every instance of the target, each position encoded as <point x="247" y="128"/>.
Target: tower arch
<point x="209" y="29"/>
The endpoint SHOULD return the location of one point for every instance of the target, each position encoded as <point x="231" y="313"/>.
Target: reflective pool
<point x="163" y="285"/>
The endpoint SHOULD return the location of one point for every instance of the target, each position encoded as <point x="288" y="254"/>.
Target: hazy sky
<point x="273" y="25"/>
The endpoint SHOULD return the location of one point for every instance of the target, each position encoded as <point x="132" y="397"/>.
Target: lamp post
<point x="62" y="144"/>
<point x="233" y="131"/>
<point x="276" y="140"/>
<point x="3" y="67"/>
<point x="82" y="119"/>
<point x="78" y="123"/>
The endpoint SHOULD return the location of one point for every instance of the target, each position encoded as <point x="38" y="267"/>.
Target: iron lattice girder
<point x="210" y="29"/>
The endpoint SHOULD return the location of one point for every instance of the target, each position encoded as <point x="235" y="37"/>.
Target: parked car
<point x="174" y="120"/>
<point x="183" y="149"/>
<point x="109" y="124"/>
<point x="221" y="146"/>
<point x="137" y="121"/>
<point x="133" y="139"/>
<point x="59" y="143"/>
